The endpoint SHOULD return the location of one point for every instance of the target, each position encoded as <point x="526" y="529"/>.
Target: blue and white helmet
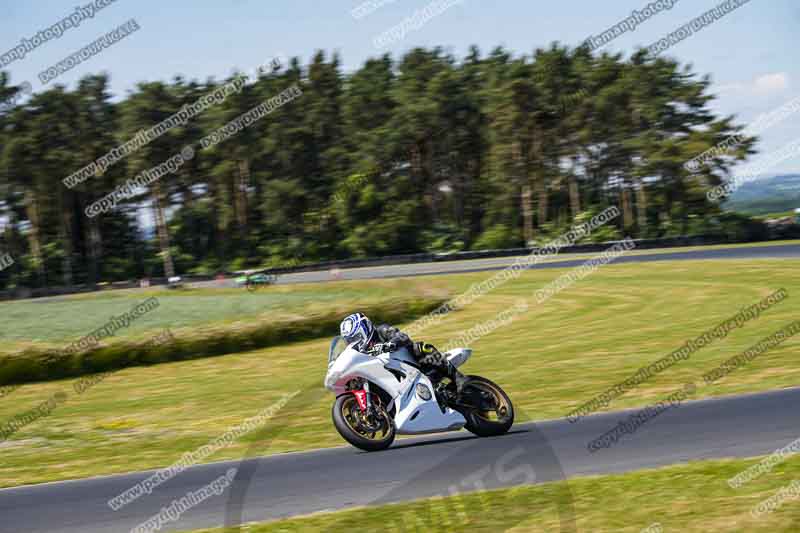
<point x="356" y="328"/>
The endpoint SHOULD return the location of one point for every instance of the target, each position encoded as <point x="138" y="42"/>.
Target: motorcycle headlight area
<point x="332" y="378"/>
<point x="423" y="392"/>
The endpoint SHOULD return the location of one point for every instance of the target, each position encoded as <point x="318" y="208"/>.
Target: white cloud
<point x="768" y="83"/>
<point x="771" y="82"/>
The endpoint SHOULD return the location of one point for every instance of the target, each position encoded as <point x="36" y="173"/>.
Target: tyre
<point x="369" y="433"/>
<point x="494" y="414"/>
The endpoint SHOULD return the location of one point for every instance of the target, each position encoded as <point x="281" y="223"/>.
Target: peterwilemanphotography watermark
<point x="134" y="185"/>
<point x="694" y="26"/>
<point x="776" y="501"/>
<point x="653" y="528"/>
<point x="110" y="328"/>
<point x="514" y="270"/>
<point x="503" y="318"/>
<point x="192" y="458"/>
<point x="54" y="31"/>
<point x="573" y="276"/>
<point x="370" y="6"/>
<point x="683" y="353"/>
<point x="758" y="349"/>
<point x="179" y="118"/>
<point x="594" y="42"/>
<point x="85" y="383"/>
<point x="414" y="22"/>
<point x="176" y="508"/>
<point x="87" y="52"/>
<point x="754" y="171"/>
<point x="28" y="417"/>
<point x="250" y="117"/>
<point x="765" y="465"/>
<point x="635" y="421"/>
<point x="761" y="124"/>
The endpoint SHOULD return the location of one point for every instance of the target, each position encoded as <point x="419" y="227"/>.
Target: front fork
<point x="363" y="398"/>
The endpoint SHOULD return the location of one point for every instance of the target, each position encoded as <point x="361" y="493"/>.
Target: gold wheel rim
<point x="351" y="413"/>
<point x="502" y="410"/>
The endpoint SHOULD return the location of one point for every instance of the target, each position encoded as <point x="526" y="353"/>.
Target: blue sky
<point x="749" y="53"/>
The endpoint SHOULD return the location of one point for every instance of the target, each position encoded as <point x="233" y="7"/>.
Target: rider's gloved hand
<point x="423" y="348"/>
<point x="389" y="347"/>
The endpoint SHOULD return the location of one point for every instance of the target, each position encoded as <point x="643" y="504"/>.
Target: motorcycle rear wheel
<point x="480" y="421"/>
<point x="352" y="426"/>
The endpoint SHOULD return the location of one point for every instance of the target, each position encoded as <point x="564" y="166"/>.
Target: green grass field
<point x="690" y="498"/>
<point x="67" y="318"/>
<point x="550" y="360"/>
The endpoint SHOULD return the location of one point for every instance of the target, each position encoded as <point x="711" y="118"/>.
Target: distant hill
<point x="777" y="194"/>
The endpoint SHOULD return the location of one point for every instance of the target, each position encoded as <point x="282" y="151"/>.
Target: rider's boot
<point x="435" y="358"/>
<point x="456" y="377"/>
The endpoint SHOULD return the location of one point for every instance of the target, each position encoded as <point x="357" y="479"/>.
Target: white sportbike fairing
<point x="386" y="393"/>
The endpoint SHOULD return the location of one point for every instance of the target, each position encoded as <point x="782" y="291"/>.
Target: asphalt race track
<point x="785" y="251"/>
<point x="300" y="483"/>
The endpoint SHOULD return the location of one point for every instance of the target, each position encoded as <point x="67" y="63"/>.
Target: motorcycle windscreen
<point x="458" y="356"/>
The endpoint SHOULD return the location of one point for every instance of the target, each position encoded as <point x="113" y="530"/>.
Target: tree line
<point x="426" y="152"/>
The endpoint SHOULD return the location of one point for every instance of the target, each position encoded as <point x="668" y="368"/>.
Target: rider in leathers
<point x="358" y="328"/>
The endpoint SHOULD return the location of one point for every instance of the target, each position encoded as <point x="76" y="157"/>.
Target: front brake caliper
<point x="361" y="398"/>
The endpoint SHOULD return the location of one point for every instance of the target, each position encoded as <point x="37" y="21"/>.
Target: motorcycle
<point x="385" y="392"/>
<point x="253" y="281"/>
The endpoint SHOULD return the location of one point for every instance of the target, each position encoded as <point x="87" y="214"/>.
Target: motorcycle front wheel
<point x="370" y="433"/>
<point x="493" y="412"/>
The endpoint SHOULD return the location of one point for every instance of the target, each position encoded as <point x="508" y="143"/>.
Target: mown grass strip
<point x="49" y="363"/>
